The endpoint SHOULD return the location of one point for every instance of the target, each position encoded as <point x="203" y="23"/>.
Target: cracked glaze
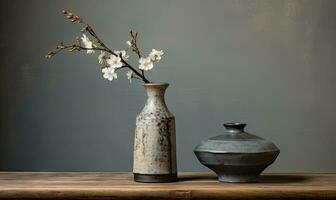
<point x="155" y="136"/>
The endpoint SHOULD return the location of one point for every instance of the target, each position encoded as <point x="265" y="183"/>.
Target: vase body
<point x="235" y="155"/>
<point x="154" y="156"/>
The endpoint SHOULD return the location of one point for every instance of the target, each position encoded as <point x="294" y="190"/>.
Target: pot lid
<point x="236" y="140"/>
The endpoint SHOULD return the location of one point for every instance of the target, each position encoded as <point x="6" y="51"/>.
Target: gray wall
<point x="270" y="64"/>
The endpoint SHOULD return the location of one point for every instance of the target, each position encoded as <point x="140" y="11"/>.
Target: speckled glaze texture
<point x="155" y="136"/>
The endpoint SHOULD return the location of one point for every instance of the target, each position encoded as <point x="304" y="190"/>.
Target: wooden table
<point x="45" y="185"/>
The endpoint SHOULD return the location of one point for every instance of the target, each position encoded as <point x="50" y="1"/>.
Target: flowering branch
<point x="134" y="47"/>
<point x="111" y="60"/>
<point x="73" y="47"/>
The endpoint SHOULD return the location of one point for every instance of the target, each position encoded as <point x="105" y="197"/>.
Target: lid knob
<point x="236" y="126"/>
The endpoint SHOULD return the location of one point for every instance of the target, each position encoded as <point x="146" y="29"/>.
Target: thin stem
<point x="135" y="71"/>
<point x="135" y="48"/>
<point x="93" y="34"/>
<point x="135" y="77"/>
<point x="77" y="46"/>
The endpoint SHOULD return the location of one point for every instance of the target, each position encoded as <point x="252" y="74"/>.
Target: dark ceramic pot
<point x="236" y="156"/>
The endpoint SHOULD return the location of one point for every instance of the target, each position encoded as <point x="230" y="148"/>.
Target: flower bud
<point x="50" y="54"/>
<point x="83" y="29"/>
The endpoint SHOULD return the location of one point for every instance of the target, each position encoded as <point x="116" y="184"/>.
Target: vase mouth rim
<point x="235" y="126"/>
<point x="156" y="84"/>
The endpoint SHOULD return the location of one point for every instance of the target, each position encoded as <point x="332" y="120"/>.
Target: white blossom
<point x="123" y="53"/>
<point x="145" y="63"/>
<point x="102" y="57"/>
<point x="109" y="73"/>
<point x="87" y="44"/>
<point x="129" y="75"/>
<point x="155" y="55"/>
<point x="114" y="62"/>
<point x="129" y="43"/>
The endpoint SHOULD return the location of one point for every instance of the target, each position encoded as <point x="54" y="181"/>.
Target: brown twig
<point x="77" y="47"/>
<point x="134" y="46"/>
<point x="93" y="34"/>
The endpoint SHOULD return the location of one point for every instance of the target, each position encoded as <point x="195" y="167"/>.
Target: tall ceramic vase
<point x="154" y="156"/>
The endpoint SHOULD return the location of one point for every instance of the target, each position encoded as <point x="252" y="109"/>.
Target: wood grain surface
<point x="55" y="185"/>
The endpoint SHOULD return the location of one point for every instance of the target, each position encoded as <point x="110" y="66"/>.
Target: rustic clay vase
<point x="236" y="156"/>
<point x="155" y="139"/>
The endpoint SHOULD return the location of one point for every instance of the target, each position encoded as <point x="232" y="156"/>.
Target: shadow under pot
<point x="236" y="156"/>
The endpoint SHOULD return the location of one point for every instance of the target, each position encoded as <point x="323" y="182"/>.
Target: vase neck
<point x="155" y="93"/>
<point x="235" y="127"/>
<point x="156" y="89"/>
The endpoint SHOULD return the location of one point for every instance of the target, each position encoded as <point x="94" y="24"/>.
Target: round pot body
<point x="154" y="156"/>
<point x="236" y="156"/>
